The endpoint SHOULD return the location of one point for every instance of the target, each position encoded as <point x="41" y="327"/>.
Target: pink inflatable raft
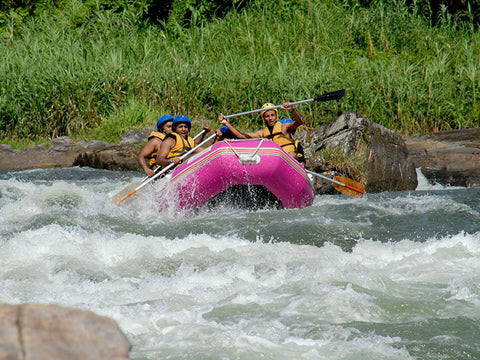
<point x="253" y="173"/>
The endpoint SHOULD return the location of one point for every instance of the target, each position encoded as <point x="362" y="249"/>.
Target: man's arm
<point x="200" y="138"/>
<point x="297" y="119"/>
<point x="150" y="147"/>
<point x="236" y="133"/>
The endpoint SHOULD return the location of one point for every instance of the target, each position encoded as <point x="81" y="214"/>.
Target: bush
<point x="84" y="71"/>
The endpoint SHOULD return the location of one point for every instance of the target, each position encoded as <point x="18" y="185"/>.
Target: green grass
<point x="349" y="165"/>
<point x="98" y="74"/>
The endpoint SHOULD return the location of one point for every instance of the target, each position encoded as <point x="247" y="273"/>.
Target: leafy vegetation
<point x="351" y="166"/>
<point x="95" y="69"/>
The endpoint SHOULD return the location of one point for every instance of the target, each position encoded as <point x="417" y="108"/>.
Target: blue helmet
<point x="286" y="120"/>
<point x="162" y="121"/>
<point x="182" y="119"/>
<point x="224" y="129"/>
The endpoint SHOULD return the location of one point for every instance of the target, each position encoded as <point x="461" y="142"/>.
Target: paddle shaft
<point x="334" y="95"/>
<point x="336" y="182"/>
<point x="195" y="138"/>
<point x="325" y="177"/>
<point x="164" y="170"/>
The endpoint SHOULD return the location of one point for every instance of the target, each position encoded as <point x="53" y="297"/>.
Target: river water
<point x="394" y="275"/>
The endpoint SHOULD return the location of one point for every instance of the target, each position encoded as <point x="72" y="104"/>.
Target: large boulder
<point x="448" y="157"/>
<point x="364" y="150"/>
<point x="45" y="332"/>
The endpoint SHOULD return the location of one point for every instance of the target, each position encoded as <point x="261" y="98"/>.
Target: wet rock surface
<point x="448" y="157"/>
<point x="63" y="152"/>
<point x="377" y="154"/>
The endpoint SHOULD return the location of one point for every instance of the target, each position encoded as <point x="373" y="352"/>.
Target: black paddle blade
<point x="334" y="95"/>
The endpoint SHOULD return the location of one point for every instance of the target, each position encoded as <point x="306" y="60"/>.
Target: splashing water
<point x="394" y="275"/>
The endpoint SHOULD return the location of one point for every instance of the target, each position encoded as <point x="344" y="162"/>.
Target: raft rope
<point x="252" y="158"/>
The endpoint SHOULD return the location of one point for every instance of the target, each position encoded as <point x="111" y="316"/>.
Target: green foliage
<point x="349" y="165"/>
<point x="95" y="69"/>
<point x="132" y="113"/>
<point x="178" y="12"/>
<point x="438" y="11"/>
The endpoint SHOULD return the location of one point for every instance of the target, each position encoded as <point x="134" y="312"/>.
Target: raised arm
<point x="200" y="138"/>
<point x="297" y="119"/>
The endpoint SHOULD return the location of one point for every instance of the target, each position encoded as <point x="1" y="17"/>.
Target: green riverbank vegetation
<point x="92" y="70"/>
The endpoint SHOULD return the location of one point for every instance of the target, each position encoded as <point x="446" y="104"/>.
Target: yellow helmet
<point x="268" y="105"/>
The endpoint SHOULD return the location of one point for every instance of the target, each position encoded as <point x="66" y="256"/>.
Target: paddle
<point x="163" y="171"/>
<point x="344" y="185"/>
<point x="334" y="95"/>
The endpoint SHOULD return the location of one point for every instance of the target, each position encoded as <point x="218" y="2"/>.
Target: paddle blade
<point x="350" y="187"/>
<point x="334" y="95"/>
<point x="119" y="197"/>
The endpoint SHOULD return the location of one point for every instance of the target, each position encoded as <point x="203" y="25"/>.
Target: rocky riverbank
<point x="386" y="161"/>
<point x="448" y="157"/>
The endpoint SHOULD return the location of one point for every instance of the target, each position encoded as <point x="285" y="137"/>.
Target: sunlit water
<point x="394" y="275"/>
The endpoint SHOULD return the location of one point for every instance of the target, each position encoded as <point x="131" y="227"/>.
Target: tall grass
<point x="98" y="74"/>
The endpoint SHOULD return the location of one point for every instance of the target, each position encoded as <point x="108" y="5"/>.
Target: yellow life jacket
<point x="287" y="143"/>
<point x="158" y="134"/>
<point x="152" y="158"/>
<point x="182" y="146"/>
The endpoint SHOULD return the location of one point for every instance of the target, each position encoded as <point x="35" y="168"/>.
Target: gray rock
<point x="44" y="332"/>
<point x="10" y="345"/>
<point x="6" y="148"/>
<point x="136" y="136"/>
<point x="448" y="157"/>
<point x="374" y="155"/>
<point x="64" y="152"/>
<point x="62" y="141"/>
<point x="121" y="157"/>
